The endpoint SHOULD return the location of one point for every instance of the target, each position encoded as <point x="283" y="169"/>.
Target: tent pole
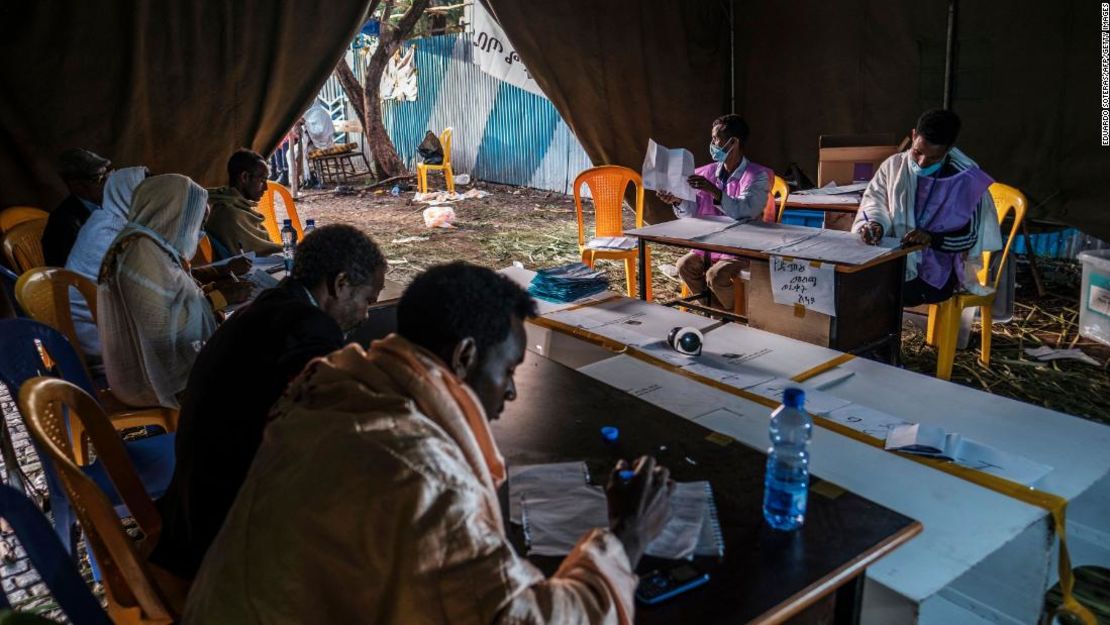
<point x="950" y="54"/>
<point x="732" y="54"/>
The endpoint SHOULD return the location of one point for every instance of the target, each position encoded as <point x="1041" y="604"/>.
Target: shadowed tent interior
<point x="1026" y="82"/>
<point x="174" y="85"/>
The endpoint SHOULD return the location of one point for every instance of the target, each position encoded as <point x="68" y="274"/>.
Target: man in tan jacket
<point x="235" y="224"/>
<point x="373" y="496"/>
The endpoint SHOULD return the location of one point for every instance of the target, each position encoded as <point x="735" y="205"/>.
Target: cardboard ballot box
<point x="845" y="159"/>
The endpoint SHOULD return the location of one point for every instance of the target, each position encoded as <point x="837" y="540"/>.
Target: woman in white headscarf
<point x="91" y="245"/>
<point x="154" y="317"/>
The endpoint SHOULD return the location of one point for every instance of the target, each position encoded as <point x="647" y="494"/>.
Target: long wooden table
<point x="868" y="316"/>
<point x="765" y="576"/>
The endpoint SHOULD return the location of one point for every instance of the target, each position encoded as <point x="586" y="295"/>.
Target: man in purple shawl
<point x="933" y="195"/>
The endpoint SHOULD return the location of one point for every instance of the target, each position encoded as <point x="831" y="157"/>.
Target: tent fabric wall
<point x="1027" y="81"/>
<point x="176" y="85"/>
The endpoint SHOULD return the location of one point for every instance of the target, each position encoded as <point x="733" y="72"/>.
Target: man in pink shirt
<point x="732" y="186"/>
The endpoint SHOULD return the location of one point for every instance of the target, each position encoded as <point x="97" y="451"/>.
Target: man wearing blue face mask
<point x="933" y="195"/>
<point x="732" y="186"/>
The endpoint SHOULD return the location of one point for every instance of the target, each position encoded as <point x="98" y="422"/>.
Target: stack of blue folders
<point x="567" y="283"/>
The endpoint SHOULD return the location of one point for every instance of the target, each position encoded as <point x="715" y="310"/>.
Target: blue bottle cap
<point x="626" y="474"/>
<point x="610" y="433"/>
<point x="287" y="222"/>
<point x="793" y="398"/>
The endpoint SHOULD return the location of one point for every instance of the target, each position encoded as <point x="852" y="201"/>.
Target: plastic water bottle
<point x="786" y="485"/>
<point x="309" y="226"/>
<point x="288" y="243"/>
<point x="395" y="191"/>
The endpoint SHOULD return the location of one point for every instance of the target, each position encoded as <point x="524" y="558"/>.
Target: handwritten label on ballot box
<point x="809" y="284"/>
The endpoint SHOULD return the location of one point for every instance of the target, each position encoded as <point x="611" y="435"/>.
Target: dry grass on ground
<point x="538" y="229"/>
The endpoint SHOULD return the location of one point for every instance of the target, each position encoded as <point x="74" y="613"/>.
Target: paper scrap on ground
<point x="835" y="246"/>
<point x="667" y="170"/>
<point x="442" y="197"/>
<point x="687" y="228"/>
<point x="799" y="282"/>
<point x="927" y="440"/>
<point x="1045" y="353"/>
<point x="611" y="243"/>
<point x="816" y="401"/>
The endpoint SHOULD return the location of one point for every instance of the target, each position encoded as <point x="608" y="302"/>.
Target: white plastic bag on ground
<point x="439" y="217"/>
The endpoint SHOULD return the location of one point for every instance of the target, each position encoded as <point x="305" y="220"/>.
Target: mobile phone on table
<point x="661" y="585"/>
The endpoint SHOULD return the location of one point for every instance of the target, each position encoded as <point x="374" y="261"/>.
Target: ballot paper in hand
<point x="667" y="170"/>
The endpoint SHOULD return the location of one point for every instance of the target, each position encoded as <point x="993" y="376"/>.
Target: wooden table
<point x="868" y="316"/>
<point x="765" y="576"/>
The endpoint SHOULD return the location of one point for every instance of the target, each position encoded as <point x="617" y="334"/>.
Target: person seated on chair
<point x="84" y="174"/>
<point x="733" y="186"/>
<point x="245" y="367"/>
<point x="235" y="224"/>
<point x="373" y="496"/>
<point x="932" y="195"/>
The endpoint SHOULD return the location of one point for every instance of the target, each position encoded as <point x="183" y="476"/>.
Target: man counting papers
<point x="732" y="186"/>
<point x="933" y="195"/>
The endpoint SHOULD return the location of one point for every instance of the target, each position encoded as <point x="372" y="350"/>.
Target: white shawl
<point x="92" y="243"/>
<point x="889" y="201"/>
<point x="153" y="316"/>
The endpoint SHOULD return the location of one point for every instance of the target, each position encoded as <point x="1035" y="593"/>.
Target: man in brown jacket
<point x="235" y="224"/>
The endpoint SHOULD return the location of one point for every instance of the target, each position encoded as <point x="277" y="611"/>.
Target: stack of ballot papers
<point x="567" y="283"/>
<point x="611" y="243"/>
<point x="556" y="505"/>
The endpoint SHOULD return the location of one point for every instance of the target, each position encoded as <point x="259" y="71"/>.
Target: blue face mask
<point x="918" y="170"/>
<point x="718" y="154"/>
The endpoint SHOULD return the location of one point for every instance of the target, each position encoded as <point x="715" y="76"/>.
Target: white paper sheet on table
<point x="629" y="321"/>
<point x="798" y="282"/>
<point x="872" y="422"/>
<point x="688" y="228"/>
<point x="667" y="170"/>
<point x="656" y="386"/>
<point x="835" y="246"/>
<point x="536" y="480"/>
<point x="817" y="402"/>
<point x="848" y="199"/>
<point x="833" y="189"/>
<point x="933" y="441"/>
<point x="759" y="236"/>
<point x="727" y="367"/>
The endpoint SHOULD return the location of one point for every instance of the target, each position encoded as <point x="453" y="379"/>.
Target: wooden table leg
<point x="849" y="601"/>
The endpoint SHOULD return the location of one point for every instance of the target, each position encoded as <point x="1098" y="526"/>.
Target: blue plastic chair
<point x="153" y="456"/>
<point x="50" y="559"/>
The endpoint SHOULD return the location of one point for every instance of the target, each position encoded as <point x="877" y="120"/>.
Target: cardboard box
<point x="845" y="159"/>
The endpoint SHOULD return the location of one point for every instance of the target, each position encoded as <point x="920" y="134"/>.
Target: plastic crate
<point x="1094" y="302"/>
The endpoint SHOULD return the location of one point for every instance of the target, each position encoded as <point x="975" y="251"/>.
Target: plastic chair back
<point x="1006" y="199"/>
<point x="43" y="293"/>
<point x="269" y="216"/>
<point x="780" y="190"/>
<point x="23" y="245"/>
<point x="445" y="139"/>
<point x="50" y="560"/>
<point x="14" y="215"/>
<point x="129" y="586"/>
<point x="607" y="186"/>
<point x="204" y="252"/>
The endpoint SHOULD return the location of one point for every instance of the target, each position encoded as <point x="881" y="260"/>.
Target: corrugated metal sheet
<point x="501" y="133"/>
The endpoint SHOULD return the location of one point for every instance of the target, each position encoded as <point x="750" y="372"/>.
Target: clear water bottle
<point x="288" y="243"/>
<point x="395" y="191"/>
<point x="786" y="485"/>
<point x="309" y="226"/>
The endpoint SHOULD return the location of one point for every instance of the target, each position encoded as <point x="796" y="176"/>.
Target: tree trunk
<point x="351" y="87"/>
<point x="386" y="160"/>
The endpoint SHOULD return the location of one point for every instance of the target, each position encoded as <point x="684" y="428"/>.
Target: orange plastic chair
<point x="23" y="245"/>
<point x="422" y="169"/>
<point x="136" y="591"/>
<point x="269" y="216"/>
<point x="944" y="318"/>
<point x="43" y="293"/>
<point x="204" y="253"/>
<point x="607" y="186"/>
<point x="781" y="191"/>
<point x="14" y="215"/>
